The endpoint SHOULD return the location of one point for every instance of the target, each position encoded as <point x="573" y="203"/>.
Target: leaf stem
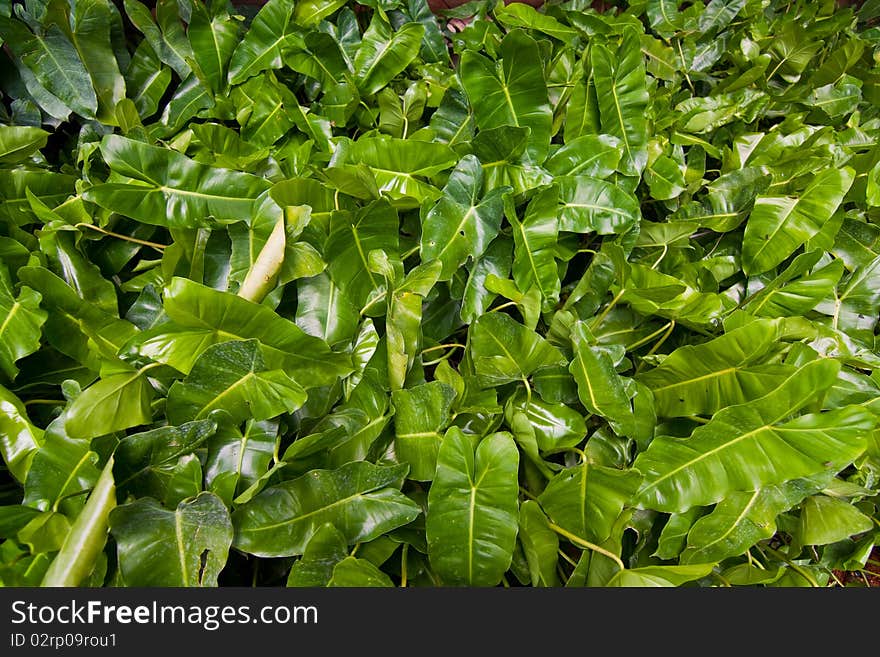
<point x="153" y="245"/>
<point x="565" y="556"/>
<point x="410" y="252"/>
<point x="504" y="305"/>
<point x="607" y="310"/>
<point x="403" y="554"/>
<point x="448" y="345"/>
<point x="577" y="540"/>
<point x="796" y="568"/>
<point x="648" y="338"/>
<point x="657" y="345"/>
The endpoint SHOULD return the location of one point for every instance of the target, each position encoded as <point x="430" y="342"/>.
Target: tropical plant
<point x="328" y="294"/>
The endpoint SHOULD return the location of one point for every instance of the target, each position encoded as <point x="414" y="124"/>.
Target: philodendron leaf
<point x="503" y="350"/>
<point x="514" y="94"/>
<point x="383" y="53"/>
<point x="649" y="576"/>
<point x="422" y="412"/>
<point x="233" y="376"/>
<point x="146" y="463"/>
<point x="731" y="369"/>
<point x="353" y="572"/>
<point x="88" y="534"/>
<point x="592" y="205"/>
<point x="119" y="400"/>
<point x="237" y="458"/>
<point x="720" y="456"/>
<point x="19" y="438"/>
<point x="621" y="90"/>
<point x="780" y="224"/>
<point x="827" y="520"/>
<point x="461" y="225"/>
<point x="265" y="41"/>
<point x="741" y="520"/>
<point x="540" y="544"/>
<point x="20" y="329"/>
<point x="472" y="508"/>
<point x="202" y="317"/>
<point x="18" y="143"/>
<point x="167" y="188"/>
<point x="184" y="547"/>
<point x="600" y="389"/>
<point x="326" y="548"/>
<point x="587" y="500"/>
<point x="360" y="499"/>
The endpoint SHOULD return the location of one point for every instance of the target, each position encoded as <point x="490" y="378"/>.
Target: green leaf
<point x="556" y="426"/>
<point x="600" y="389"/>
<point x="121" y="399"/>
<point x="169" y="189"/>
<point x="202" y="317"/>
<point x="184" y="547"/>
<point x="512" y="94"/>
<point x="461" y="225"/>
<point x="740" y="520"/>
<point x="503" y="350"/>
<point x="213" y="39"/>
<point x="732" y="369"/>
<point x="360" y="499"/>
<point x="855" y="310"/>
<point x="534" y="240"/>
<point x="20" y="330"/>
<point x="18" y="143"/>
<point x="19" y="438"/>
<point x="238" y="458"/>
<point x="61" y="470"/>
<point x="472" y="515"/>
<point x="384" y="53"/>
<point x="719" y="457"/>
<point x="660" y="575"/>
<point x="90" y="32"/>
<point x="586" y="500"/>
<point x="540" y="544"/>
<point x="827" y="520"/>
<point x="169" y="44"/>
<point x="398" y="165"/>
<point x="422" y="412"/>
<point x="55" y="64"/>
<point x="351" y="240"/>
<point x="623" y="98"/>
<point x="353" y="572"/>
<point x="326" y="548"/>
<point x="780" y="224"/>
<point x="310" y="12"/>
<point x="233" y="376"/>
<point x="324" y="311"/>
<point x="596" y="156"/>
<point x="77" y="557"/>
<point x="264" y="43"/>
<point x="148" y="463"/>
<point x="592" y="205"/>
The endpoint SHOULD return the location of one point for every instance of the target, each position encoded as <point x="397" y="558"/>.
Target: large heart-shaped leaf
<point x="184" y="547"/>
<point x="233" y="376"/>
<point x="717" y="458"/>
<point x="780" y="224"/>
<point x="513" y="93"/>
<point x="472" y="509"/>
<point x="360" y="499"/>
<point x="169" y="189"/>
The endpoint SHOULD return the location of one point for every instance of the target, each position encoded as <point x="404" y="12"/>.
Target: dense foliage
<point x="334" y="295"/>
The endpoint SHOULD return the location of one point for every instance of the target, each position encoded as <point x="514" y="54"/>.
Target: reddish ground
<point x="871" y="577"/>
